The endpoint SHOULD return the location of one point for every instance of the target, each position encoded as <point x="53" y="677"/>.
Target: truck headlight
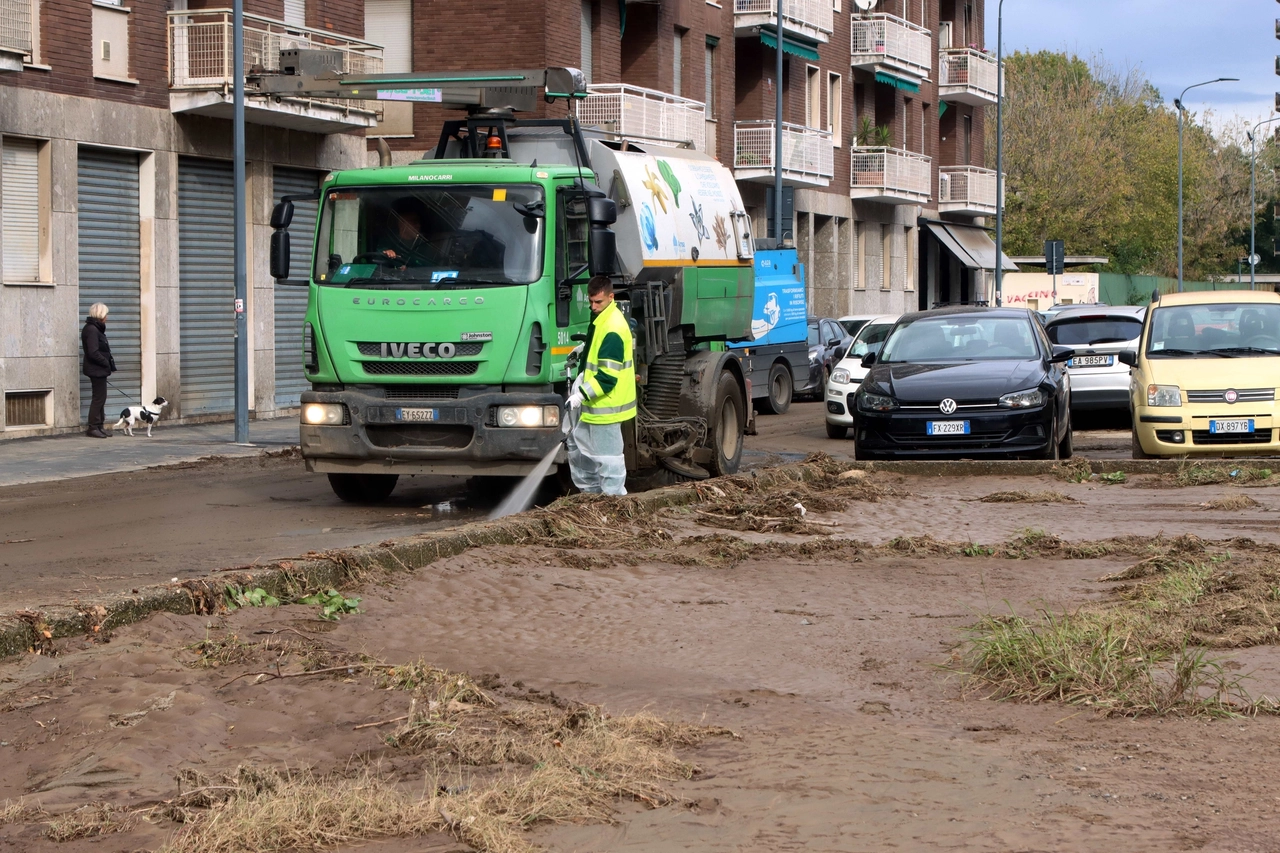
<point x="327" y="414"/>
<point x="869" y="402"/>
<point x="840" y="376"/>
<point x="1164" y="395"/>
<point x="528" y="416"/>
<point x="1023" y="399"/>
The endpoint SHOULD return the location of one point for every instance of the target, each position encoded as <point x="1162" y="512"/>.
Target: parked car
<point x="1205" y="375"/>
<point x="827" y="343"/>
<point x="851" y="323"/>
<point x="849" y="373"/>
<point x="1053" y="310"/>
<point x="1098" y="333"/>
<point x="965" y="382"/>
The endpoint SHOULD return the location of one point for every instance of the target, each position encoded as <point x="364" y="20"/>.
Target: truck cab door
<point x="572" y="231"/>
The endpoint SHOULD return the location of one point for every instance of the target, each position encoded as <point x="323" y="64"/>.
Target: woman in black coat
<point x="98" y="365"/>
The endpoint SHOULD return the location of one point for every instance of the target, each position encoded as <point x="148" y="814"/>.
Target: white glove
<point x="574" y="400"/>
<point x="576" y="387"/>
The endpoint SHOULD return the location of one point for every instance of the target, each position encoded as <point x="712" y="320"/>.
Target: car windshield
<point x="1221" y="329"/>
<point x="965" y="338"/>
<point x="430" y="237"/>
<point x="852" y="325"/>
<point x="868" y="338"/>
<point x="1077" y="331"/>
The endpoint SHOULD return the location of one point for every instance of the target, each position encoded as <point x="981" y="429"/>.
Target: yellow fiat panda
<point x="1203" y="379"/>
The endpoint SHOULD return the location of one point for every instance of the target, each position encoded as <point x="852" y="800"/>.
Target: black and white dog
<point x="137" y="415"/>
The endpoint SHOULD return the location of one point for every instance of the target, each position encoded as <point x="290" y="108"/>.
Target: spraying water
<point x="522" y="495"/>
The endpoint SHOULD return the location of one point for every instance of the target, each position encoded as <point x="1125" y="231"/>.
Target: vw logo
<point x="948" y="406"/>
<point x="1231" y="395"/>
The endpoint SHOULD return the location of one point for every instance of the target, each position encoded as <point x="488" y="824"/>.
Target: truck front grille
<point x="420" y="368"/>
<point x="421" y="392"/>
<point x="419" y="435"/>
<point x="374" y="348"/>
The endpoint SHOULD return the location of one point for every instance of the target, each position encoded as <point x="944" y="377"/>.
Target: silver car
<point x="849" y="372"/>
<point x="1098" y="333"/>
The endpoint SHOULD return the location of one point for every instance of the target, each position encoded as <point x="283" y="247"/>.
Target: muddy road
<point x="826" y="643"/>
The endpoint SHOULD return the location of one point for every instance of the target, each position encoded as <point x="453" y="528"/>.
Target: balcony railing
<point x="644" y="115"/>
<point x="888" y="42"/>
<point x="810" y="18"/>
<point x="889" y="175"/>
<point x="200" y="54"/>
<point x="807" y="155"/>
<point x="967" y="189"/>
<point x="967" y="76"/>
<point x="15" y="26"/>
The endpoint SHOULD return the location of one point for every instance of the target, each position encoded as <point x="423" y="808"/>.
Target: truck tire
<point x="728" y="418"/>
<point x="780" y="390"/>
<point x="363" y="488"/>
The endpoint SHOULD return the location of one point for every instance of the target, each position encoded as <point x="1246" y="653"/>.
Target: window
<point x="24" y="227"/>
<point x="860" y="263"/>
<point x="813" y="97"/>
<point x="111" y="43"/>
<point x="835" y="108"/>
<point x="584" y="38"/>
<point x="908" y="126"/>
<point x="966" y="140"/>
<point x="19" y="34"/>
<point x="677" y="61"/>
<point x="908" y="236"/>
<point x="295" y="12"/>
<point x="390" y="24"/>
<point x="886" y="257"/>
<point x="710" y="74"/>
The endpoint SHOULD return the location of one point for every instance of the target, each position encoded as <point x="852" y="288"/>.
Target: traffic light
<point x="1054" y="255"/>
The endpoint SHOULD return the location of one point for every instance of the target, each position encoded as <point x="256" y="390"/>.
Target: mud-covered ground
<point x="831" y="662"/>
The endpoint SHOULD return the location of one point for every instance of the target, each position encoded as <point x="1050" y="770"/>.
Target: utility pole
<point x="777" y="139"/>
<point x="238" y="241"/>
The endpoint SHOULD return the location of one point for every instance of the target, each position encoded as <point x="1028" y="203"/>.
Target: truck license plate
<point x="417" y="415"/>
<point x="1230" y="426"/>
<point x="946" y="427"/>
<point x="1091" y="361"/>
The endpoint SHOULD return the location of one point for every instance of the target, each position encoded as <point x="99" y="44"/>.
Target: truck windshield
<point x="426" y="237"/>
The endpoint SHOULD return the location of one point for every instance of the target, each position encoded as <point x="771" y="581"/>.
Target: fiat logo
<point x="1231" y="395"/>
<point x="948" y="406"/>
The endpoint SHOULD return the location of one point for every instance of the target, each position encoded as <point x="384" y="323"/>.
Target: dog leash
<point x="122" y="394"/>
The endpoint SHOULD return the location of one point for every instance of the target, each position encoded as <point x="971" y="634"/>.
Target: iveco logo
<point x="445" y="350"/>
<point x="1231" y="395"/>
<point x="947" y="406"/>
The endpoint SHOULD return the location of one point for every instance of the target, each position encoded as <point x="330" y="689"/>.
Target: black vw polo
<point x="964" y="382"/>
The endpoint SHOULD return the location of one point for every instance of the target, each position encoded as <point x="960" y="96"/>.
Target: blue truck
<point x="776" y="360"/>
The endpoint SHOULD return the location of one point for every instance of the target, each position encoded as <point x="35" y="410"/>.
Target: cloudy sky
<point x="1175" y="43"/>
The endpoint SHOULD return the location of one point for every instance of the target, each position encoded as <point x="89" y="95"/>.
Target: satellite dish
<point x="865" y="5"/>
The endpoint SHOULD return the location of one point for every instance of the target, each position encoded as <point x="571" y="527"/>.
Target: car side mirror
<point x="1061" y="354"/>
<point x="1128" y="357"/>
<point x="868" y="359"/>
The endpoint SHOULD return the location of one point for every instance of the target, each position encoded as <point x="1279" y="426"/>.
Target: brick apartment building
<point x="115" y="171"/>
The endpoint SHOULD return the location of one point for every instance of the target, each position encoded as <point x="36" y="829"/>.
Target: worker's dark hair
<point x="600" y="284"/>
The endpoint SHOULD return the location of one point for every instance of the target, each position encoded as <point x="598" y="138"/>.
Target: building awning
<point x="897" y="82"/>
<point x="971" y="245"/>
<point x="789" y="45"/>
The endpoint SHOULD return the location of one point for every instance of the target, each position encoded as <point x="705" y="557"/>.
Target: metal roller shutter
<point x="206" y="286"/>
<point x="110" y="269"/>
<point x="291" y="302"/>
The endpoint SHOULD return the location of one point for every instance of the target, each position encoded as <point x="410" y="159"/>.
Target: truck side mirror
<point x="280" y="250"/>
<point x="282" y="214"/>
<point x="602" y="211"/>
<point x="603" y="246"/>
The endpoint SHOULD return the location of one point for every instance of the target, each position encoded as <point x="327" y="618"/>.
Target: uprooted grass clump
<point x="1147" y="650"/>
<point x="524" y="762"/>
<point x="1231" y="502"/>
<point x="1023" y="496"/>
<point x="1201" y="474"/>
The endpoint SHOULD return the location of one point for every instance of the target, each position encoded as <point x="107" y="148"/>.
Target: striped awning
<point x="789" y="46"/>
<point x="897" y="82"/>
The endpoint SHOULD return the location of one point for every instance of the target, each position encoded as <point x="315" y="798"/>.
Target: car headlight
<point x="1023" y="399"/>
<point x="327" y="414"/>
<point x="1164" y="395"/>
<point x="528" y="416"/>
<point x="869" y="402"/>
<point x="840" y="376"/>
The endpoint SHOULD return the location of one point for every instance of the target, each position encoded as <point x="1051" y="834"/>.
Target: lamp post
<point x="777" y="138"/>
<point x="1253" y="204"/>
<point x="999" y="153"/>
<point x="1177" y="102"/>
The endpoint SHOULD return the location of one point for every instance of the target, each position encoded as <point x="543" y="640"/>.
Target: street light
<point x="1177" y="102"/>
<point x="999" y="153"/>
<point x="1253" y="204"/>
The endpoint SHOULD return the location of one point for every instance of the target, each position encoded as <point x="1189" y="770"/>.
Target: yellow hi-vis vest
<point x="618" y="403"/>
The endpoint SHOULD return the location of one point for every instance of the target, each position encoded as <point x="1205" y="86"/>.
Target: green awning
<point x="897" y="82"/>
<point x="942" y="108"/>
<point x="790" y="46"/>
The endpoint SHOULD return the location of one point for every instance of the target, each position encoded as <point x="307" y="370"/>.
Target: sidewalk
<point x="38" y="460"/>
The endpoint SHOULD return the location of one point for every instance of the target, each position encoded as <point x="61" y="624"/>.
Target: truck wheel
<point x="778" y="400"/>
<point x="363" y="488"/>
<point x="728" y="419"/>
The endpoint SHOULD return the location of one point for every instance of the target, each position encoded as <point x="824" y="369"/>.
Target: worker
<point x="602" y="397"/>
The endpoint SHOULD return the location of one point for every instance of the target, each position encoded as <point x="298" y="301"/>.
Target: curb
<point x="22" y="631"/>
